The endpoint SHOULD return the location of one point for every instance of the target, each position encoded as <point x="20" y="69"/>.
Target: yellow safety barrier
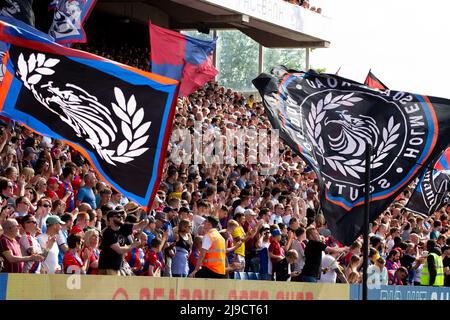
<point x="85" y="287"/>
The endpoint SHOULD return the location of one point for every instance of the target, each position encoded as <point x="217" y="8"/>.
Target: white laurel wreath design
<point x="338" y="163"/>
<point x="101" y="135"/>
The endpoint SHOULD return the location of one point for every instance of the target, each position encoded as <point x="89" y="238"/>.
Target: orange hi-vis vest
<point x="215" y="256"/>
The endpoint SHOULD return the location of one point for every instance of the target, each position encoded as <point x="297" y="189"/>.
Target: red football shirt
<point x="13" y="246"/>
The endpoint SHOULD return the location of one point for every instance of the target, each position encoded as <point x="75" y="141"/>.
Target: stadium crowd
<point x="56" y="217"/>
<point x="305" y="4"/>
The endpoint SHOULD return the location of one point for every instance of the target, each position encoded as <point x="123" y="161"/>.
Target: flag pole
<point x="366" y="221"/>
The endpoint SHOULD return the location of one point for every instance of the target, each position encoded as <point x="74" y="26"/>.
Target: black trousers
<point x="205" y="272"/>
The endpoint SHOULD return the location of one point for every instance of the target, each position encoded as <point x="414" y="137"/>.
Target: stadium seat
<point x="243" y="275"/>
<point x="252" y="276"/>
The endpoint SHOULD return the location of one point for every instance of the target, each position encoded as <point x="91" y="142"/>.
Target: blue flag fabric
<point x="69" y="19"/>
<point x="118" y="117"/>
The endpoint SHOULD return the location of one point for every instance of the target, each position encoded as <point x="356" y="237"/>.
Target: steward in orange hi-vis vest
<point x="212" y="259"/>
<point x="215" y="256"/>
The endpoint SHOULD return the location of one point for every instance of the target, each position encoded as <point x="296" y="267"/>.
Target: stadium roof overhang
<point x="272" y="23"/>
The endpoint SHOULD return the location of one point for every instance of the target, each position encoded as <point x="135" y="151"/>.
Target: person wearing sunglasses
<point x="6" y="188"/>
<point x="44" y="208"/>
<point x="10" y="248"/>
<point x="22" y="207"/>
<point x="29" y="244"/>
<point x="114" y="242"/>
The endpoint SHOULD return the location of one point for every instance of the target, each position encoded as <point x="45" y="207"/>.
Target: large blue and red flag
<point x="118" y="117"/>
<point x="181" y="57"/>
<point x="69" y="19"/>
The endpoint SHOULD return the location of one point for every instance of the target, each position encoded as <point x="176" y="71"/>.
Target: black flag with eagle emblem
<point x="328" y="119"/>
<point x="118" y="117"/>
<point x="432" y="191"/>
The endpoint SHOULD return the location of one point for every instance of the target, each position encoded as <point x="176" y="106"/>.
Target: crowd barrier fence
<point x="85" y="287"/>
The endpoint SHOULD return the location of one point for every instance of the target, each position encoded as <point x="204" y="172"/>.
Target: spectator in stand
<point x="29" y="244"/>
<point x="355" y="250"/>
<point x="211" y="263"/>
<point x="7" y="188"/>
<point x="43" y="212"/>
<point x="276" y="252"/>
<point x="72" y="262"/>
<point x="10" y="251"/>
<point x="432" y="273"/>
<point x="52" y="188"/>
<point x="91" y="250"/>
<point x="65" y="188"/>
<point x="400" y="277"/>
<point x="354" y="265"/>
<point x="81" y="223"/>
<point x="283" y="270"/>
<point x="136" y="257"/>
<point x="22" y="207"/>
<point x="262" y="246"/>
<point x="331" y="269"/>
<point x="436" y="231"/>
<point x="153" y="265"/>
<point x="63" y="234"/>
<point x="86" y="194"/>
<point x="313" y="256"/>
<point x="183" y="240"/>
<point x="195" y="253"/>
<point x="113" y="245"/>
<point x="48" y="242"/>
<point x="377" y="274"/>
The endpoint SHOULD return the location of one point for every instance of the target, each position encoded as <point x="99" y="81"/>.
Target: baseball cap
<point x="310" y="190"/>
<point x="276" y="232"/>
<point x="54" y="220"/>
<point x="168" y="209"/>
<point x="184" y="209"/>
<point x="234" y="174"/>
<point x="114" y="212"/>
<point x="161" y="216"/>
<point x="52" y="180"/>
<point x="151" y="219"/>
<point x="265" y="226"/>
<point x="250" y="212"/>
<point x="45" y="144"/>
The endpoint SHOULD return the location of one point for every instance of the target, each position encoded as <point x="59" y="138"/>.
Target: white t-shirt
<point x="50" y="264"/>
<point x="206" y="242"/>
<point x="418" y="273"/>
<point x="239" y="209"/>
<point x="26" y="242"/>
<point x="375" y="277"/>
<point x="297" y="246"/>
<point x="331" y="265"/>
